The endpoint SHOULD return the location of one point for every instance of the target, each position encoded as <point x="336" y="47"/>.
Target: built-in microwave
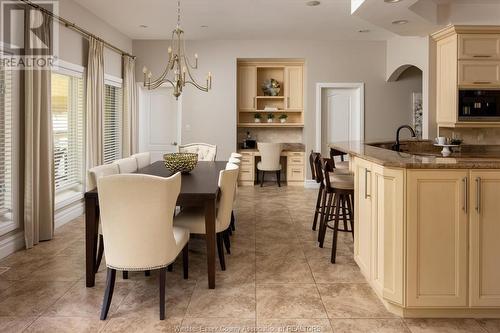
<point x="478" y="105"/>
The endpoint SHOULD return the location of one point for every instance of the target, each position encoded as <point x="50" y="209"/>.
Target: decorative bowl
<point x="183" y="162"/>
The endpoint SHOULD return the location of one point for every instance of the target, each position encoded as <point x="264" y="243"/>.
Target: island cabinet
<point x="428" y="240"/>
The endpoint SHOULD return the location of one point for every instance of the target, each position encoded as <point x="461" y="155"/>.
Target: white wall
<point x="212" y="116"/>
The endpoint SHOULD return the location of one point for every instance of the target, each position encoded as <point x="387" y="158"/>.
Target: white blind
<point x="112" y="123"/>
<point x="68" y="129"/>
<point x="6" y="138"/>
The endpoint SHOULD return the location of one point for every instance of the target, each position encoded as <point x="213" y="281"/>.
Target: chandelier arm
<point x="195" y="84"/>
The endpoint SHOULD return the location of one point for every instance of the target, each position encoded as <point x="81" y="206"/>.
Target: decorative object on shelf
<point x="270" y="117"/>
<point x="283" y="118"/>
<point x="270" y="108"/>
<point x="417" y="114"/>
<point x="179" y="63"/>
<point x="447" y="148"/>
<point x="257" y="117"/>
<point x="183" y="162"/>
<point x="271" y="87"/>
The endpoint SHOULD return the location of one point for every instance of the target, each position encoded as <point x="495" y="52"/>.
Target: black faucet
<point x="397" y="144"/>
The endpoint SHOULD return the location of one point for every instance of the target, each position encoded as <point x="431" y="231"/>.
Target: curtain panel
<point x="94" y="116"/>
<point x="130" y="108"/>
<point x="39" y="189"/>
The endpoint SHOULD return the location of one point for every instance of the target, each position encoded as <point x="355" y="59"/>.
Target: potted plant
<point x="270" y="117"/>
<point x="257" y="117"/>
<point x="283" y="118"/>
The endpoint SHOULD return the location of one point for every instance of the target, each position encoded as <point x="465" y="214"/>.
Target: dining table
<point x="199" y="188"/>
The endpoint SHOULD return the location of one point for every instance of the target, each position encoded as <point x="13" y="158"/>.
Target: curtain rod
<point x="76" y="28"/>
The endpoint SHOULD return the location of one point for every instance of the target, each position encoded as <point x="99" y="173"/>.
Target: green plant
<point x="283" y="116"/>
<point x="257" y="116"/>
<point x="270" y="116"/>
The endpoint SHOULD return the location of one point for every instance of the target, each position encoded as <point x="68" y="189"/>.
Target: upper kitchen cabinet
<point x="293" y="88"/>
<point x="479" y="46"/>
<point x="247" y="88"/>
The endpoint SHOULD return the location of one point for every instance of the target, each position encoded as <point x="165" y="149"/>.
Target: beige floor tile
<point x="226" y="301"/>
<point x="444" y="326"/>
<point x="351" y="300"/>
<point x="65" y="324"/>
<point x="31" y="298"/>
<point x="368" y="325"/>
<point x="59" y="268"/>
<point x="490" y="325"/>
<point x="287" y="269"/>
<point x="278" y="247"/>
<point x="218" y="325"/>
<point x="143" y="325"/>
<point x="294" y="325"/>
<point x="289" y="301"/>
<point x="15" y="324"/>
<point x="343" y="271"/>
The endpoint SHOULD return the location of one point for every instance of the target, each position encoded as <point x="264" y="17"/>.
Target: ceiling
<point x="236" y="19"/>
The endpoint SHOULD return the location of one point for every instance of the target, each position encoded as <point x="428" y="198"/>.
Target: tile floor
<point x="277" y="280"/>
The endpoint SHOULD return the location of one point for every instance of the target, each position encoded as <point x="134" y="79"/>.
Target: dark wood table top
<point x="200" y="184"/>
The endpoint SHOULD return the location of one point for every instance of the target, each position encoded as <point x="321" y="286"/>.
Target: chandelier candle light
<point x="179" y="63"/>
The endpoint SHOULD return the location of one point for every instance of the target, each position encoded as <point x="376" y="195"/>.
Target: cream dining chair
<point x="205" y="151"/>
<point x="127" y="165"/>
<point x="137" y="224"/>
<point x="270" y="154"/>
<point x="194" y="219"/>
<point x="143" y="159"/>
<point x="93" y="176"/>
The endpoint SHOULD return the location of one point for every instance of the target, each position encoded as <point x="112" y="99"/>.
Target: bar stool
<point x="342" y="165"/>
<point x="313" y="160"/>
<point x="338" y="202"/>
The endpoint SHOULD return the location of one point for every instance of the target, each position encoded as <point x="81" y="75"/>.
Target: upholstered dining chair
<point x="270" y="154"/>
<point x="93" y="176"/>
<point x="137" y="223"/>
<point x="237" y="161"/>
<point x="143" y="159"/>
<point x="194" y="219"/>
<point x="236" y="155"/>
<point x="127" y="165"/>
<point x="205" y="151"/>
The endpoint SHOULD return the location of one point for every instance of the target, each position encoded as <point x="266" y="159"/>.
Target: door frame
<point x="142" y="91"/>
<point x="344" y="85"/>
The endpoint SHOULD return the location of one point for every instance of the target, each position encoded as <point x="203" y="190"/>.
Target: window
<point x="68" y="131"/>
<point x="6" y="145"/>
<point x="112" y="123"/>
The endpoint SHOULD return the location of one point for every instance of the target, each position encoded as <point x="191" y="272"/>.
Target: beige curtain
<point x="38" y="152"/>
<point x="95" y="104"/>
<point x="130" y="113"/>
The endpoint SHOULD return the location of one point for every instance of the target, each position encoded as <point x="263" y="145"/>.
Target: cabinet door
<point x="437" y="226"/>
<point x="363" y="216"/>
<point x="388" y="232"/>
<point x="476" y="46"/>
<point x="446" y="81"/>
<point x="247" y="87"/>
<point x="294" y="88"/>
<point x="485" y="238"/>
<point x="479" y="73"/>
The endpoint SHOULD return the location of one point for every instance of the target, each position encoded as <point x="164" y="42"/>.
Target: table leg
<point x="210" y="234"/>
<point x="91" y="212"/>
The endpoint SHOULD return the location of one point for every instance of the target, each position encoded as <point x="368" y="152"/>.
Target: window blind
<point x="68" y="131"/>
<point x="112" y="123"/>
<point x="6" y="139"/>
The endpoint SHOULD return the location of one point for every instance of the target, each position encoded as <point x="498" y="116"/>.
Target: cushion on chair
<point x="343" y="182"/>
<point x="342" y="165"/>
<point x="261" y="168"/>
<point x="206" y="152"/>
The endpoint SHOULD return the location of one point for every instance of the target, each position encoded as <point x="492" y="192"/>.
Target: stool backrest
<point x="327" y="166"/>
<point x="312" y="163"/>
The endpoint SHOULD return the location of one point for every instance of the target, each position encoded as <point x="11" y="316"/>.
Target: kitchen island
<point x="427" y="227"/>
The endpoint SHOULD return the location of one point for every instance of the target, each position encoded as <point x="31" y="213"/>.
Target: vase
<point x="269" y="120"/>
<point x="257" y="120"/>
<point x="283" y="121"/>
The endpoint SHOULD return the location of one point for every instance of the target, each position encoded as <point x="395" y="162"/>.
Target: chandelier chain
<point x="178" y="13"/>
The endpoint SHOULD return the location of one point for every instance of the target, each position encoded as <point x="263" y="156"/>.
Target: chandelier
<point x="178" y="63"/>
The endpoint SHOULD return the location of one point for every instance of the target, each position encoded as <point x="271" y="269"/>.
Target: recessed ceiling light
<point x="143" y="26"/>
<point x="313" y="3"/>
<point x="364" y="30"/>
<point x="203" y="26"/>
<point x="400" y="22"/>
<point x="392" y="1"/>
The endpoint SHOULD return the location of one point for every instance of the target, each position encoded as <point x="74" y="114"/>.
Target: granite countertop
<point x="420" y="155"/>
<point x="294" y="147"/>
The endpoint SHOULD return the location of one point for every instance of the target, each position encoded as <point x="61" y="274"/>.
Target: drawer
<point x="295" y="154"/>
<point x="295" y="160"/>
<point x="477" y="46"/>
<point x="295" y="173"/>
<point x="246" y="173"/>
<point x="247" y="159"/>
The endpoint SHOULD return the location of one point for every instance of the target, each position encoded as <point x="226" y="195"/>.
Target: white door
<point x="158" y="122"/>
<point x="342" y="115"/>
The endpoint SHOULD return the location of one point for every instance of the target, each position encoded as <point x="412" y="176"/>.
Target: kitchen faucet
<point x="413" y="135"/>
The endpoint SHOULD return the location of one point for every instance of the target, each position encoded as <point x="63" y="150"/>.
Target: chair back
<point x="137" y="220"/>
<point x="143" y="159"/>
<point x="270" y="154"/>
<point x="236" y="155"/>
<point x="335" y="152"/>
<point x="127" y="165"/>
<point x="234" y="160"/>
<point x="100" y="171"/>
<point x="205" y="151"/>
<point x="312" y="163"/>
<point x="326" y="165"/>
<point x="227" y="184"/>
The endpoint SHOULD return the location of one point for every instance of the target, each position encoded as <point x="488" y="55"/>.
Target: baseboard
<point x="11" y="244"/>
<point x="310" y="183"/>
<point x="68" y="213"/>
